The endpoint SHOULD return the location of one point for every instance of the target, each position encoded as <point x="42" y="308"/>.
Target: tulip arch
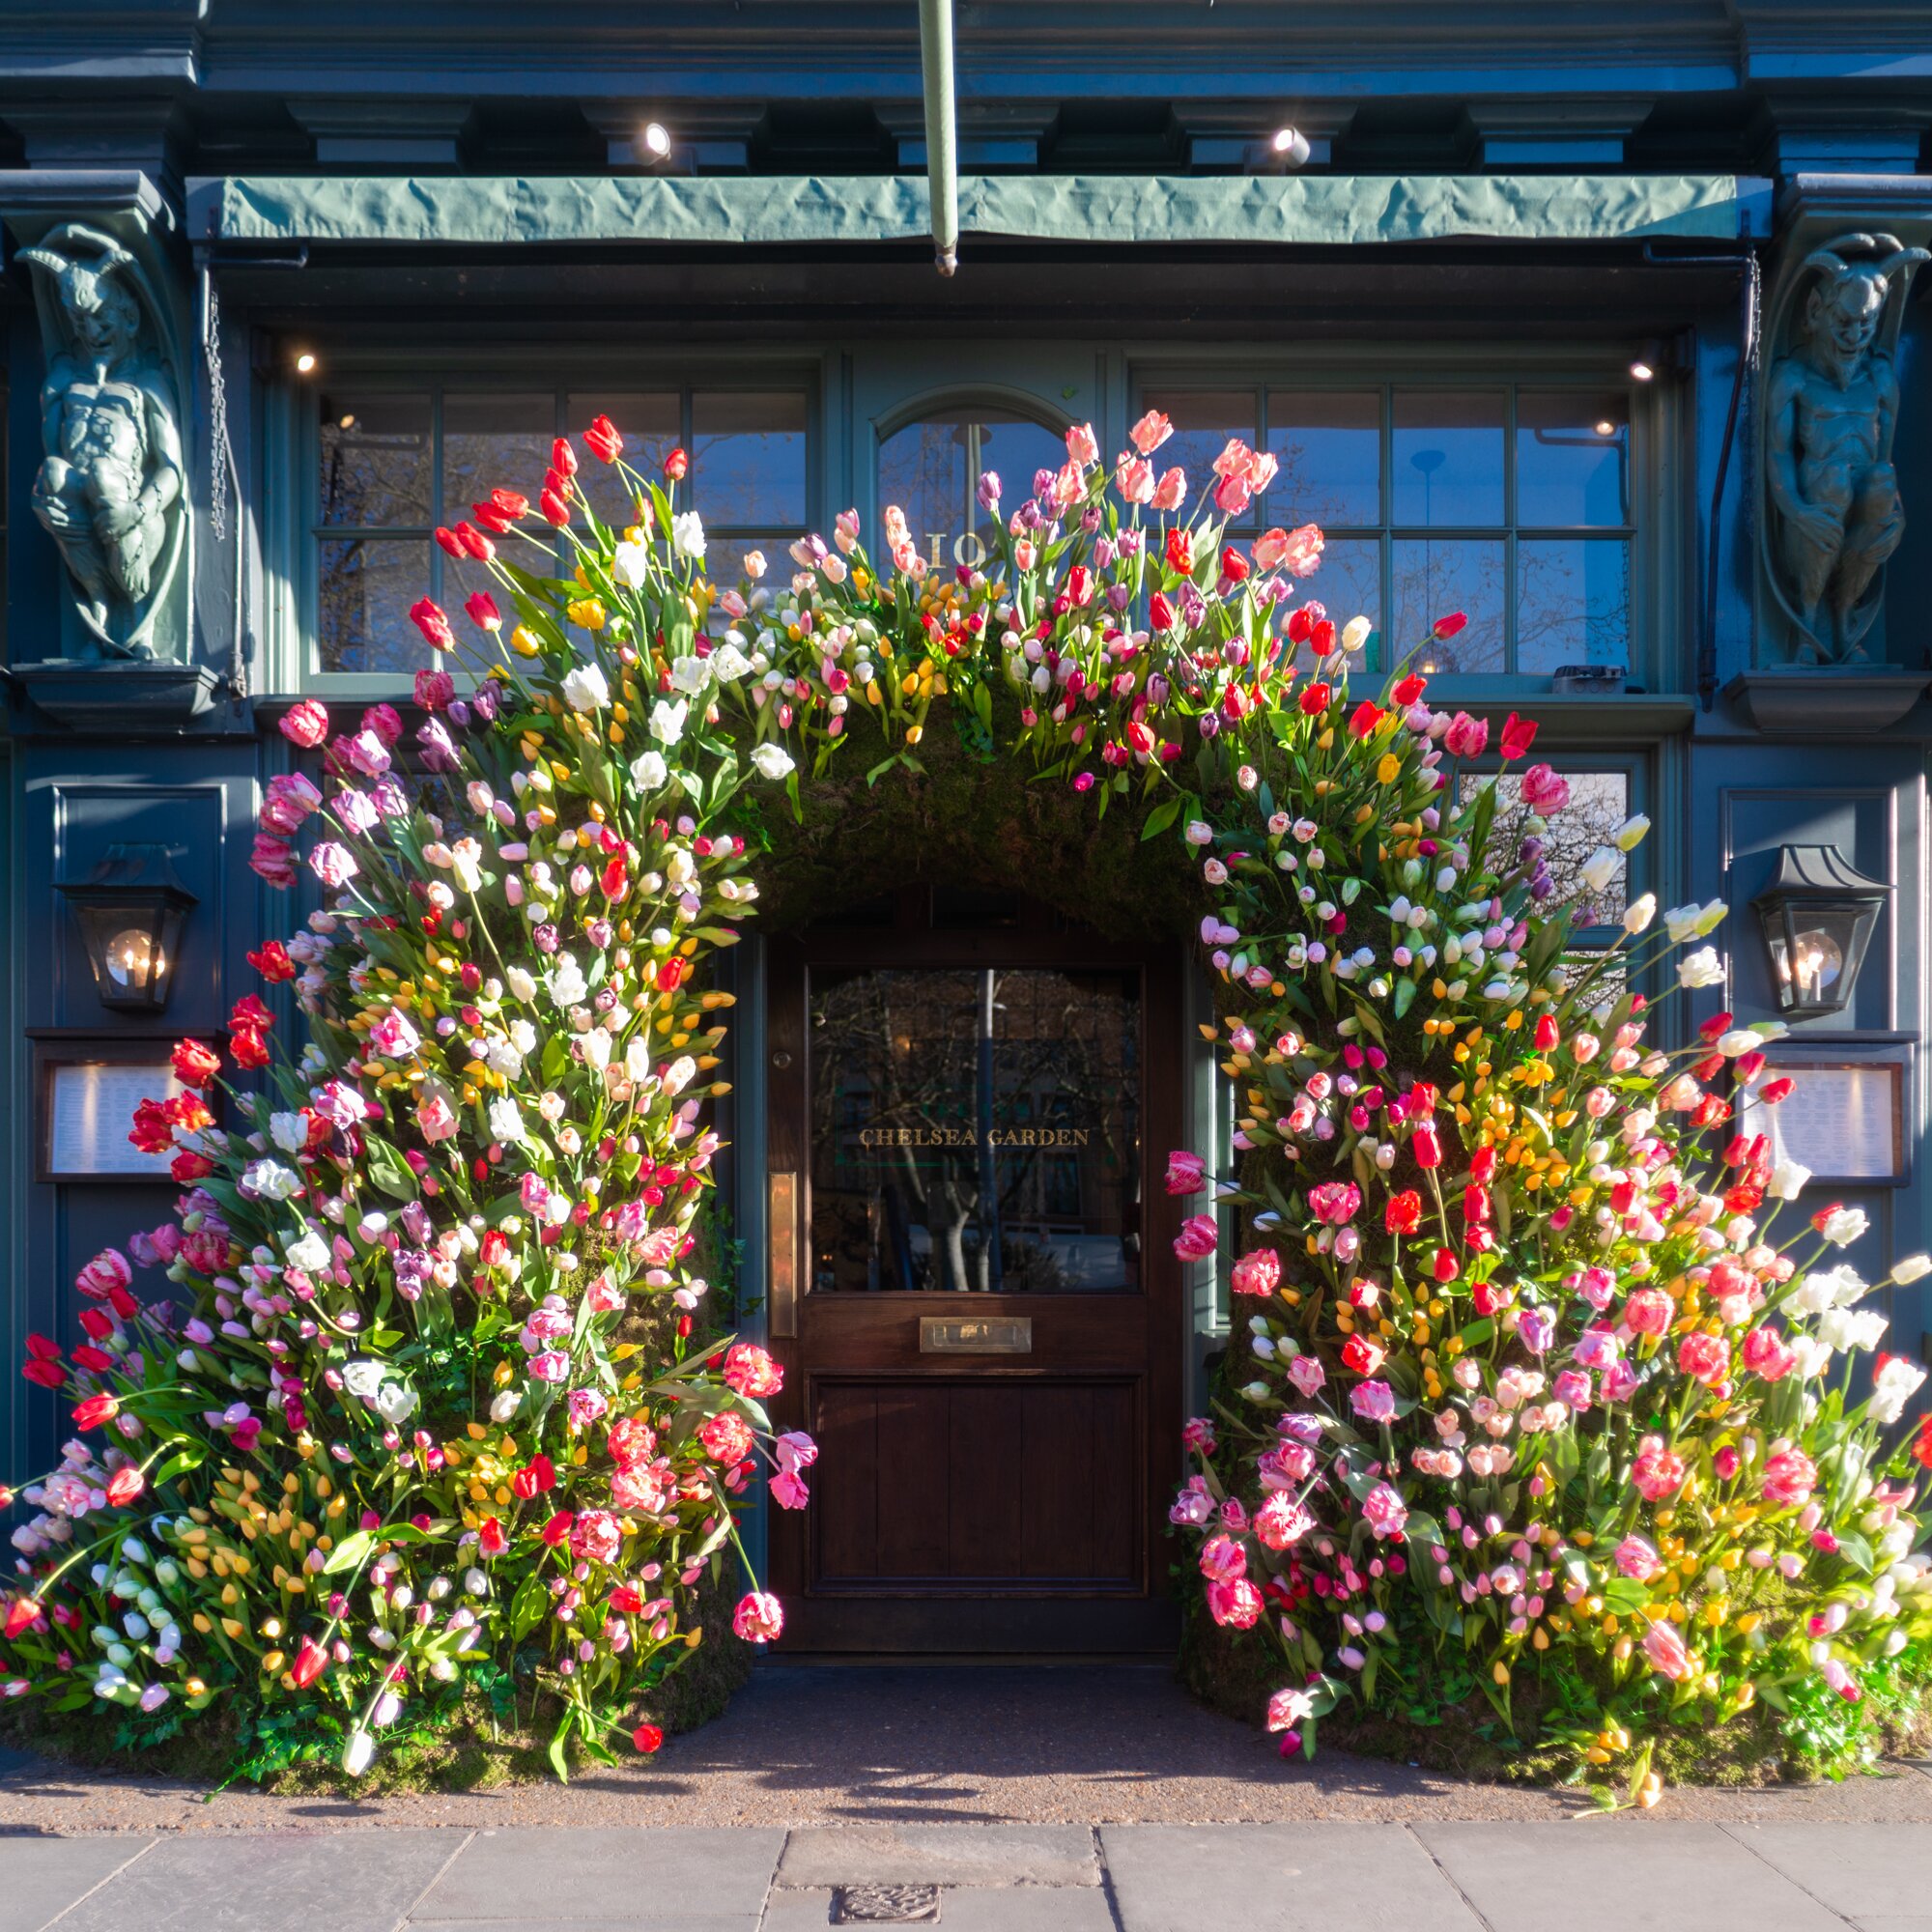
<point x="1526" y="1390"/>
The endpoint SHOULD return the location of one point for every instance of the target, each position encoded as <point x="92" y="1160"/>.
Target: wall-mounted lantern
<point x="1818" y="913"/>
<point x="132" y="912"/>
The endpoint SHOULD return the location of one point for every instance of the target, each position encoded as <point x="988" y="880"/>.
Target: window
<point x="394" y="461"/>
<point x="1510" y="502"/>
<point x="931" y="469"/>
<point x="1603" y="795"/>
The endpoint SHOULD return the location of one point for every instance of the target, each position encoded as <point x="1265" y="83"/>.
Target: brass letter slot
<point x="781" y="1239"/>
<point x="1008" y="1335"/>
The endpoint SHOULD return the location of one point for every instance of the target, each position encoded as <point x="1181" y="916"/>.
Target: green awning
<point x="1332" y="210"/>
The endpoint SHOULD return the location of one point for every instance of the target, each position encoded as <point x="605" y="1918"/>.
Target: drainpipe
<point x="942" y="130"/>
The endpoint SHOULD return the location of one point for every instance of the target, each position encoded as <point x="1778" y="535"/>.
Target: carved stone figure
<point x="109" y="491"/>
<point x="1832" y="414"/>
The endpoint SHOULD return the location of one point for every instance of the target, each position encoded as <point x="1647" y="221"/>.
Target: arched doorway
<point x="933" y="454"/>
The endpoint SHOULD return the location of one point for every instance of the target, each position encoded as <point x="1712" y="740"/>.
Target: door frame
<point x="1061" y="1620"/>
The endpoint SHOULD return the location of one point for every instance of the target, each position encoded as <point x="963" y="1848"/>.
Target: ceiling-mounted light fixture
<point x="1290" y="148"/>
<point x="1641" y="370"/>
<point x="655" y="142"/>
<point x="305" y="363"/>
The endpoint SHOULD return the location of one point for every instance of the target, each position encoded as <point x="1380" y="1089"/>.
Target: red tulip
<point x="95" y="1410"/>
<point x="124" y="1484"/>
<point x="647" y="1738"/>
<point x="602" y="442"/>
<point x="1519" y="735"/>
<point x="195" y="1064"/>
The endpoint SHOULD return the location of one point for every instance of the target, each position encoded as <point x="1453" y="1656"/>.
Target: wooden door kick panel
<point x="915" y="1627"/>
<point x="977" y="1486"/>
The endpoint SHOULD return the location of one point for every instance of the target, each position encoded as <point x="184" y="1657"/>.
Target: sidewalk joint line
<point x="1113" y="1910"/>
<point x="127" y="1864"/>
<point x="1796" y="1885"/>
<point x="772" y="1882"/>
<point x="442" y="1872"/>
<point x="1449" y="1877"/>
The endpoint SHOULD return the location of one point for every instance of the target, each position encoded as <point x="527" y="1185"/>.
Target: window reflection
<point x="975" y="1131"/>
<point x="1573" y="602"/>
<point x="362" y="622"/>
<point x="1598" y="803"/>
<point x="1447" y="457"/>
<point x="493" y="442"/>
<point x="1572" y="458"/>
<point x="651" y="428"/>
<point x="1433" y="577"/>
<point x="931" y="469"/>
<point x="1330" y="444"/>
<point x="748" y="457"/>
<point x="1204" y="420"/>
<point x="374" y="465"/>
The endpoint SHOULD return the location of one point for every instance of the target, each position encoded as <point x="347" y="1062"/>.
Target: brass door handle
<point x="782" y="1242"/>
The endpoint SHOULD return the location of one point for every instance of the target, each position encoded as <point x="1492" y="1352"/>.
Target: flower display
<point x="1527" y="1382"/>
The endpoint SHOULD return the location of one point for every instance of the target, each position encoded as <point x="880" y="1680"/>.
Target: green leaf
<point x="558" y="1761"/>
<point x="354" y="1549"/>
<point x="1160" y="818"/>
<point x="388" y="1169"/>
<point x="528" y="1605"/>
<point x="181" y="1462"/>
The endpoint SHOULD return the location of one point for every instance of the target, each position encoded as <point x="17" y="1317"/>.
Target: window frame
<point x="1659" y="610"/>
<point x="292" y="451"/>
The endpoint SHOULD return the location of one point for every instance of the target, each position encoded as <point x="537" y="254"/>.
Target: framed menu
<point x="1843" y="1118"/>
<point x="87" y="1105"/>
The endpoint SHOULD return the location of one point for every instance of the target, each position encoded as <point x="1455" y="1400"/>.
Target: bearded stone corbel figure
<point x="109" y="491"/>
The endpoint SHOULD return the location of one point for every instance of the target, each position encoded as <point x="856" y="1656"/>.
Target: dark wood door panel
<point x="966" y="1487"/>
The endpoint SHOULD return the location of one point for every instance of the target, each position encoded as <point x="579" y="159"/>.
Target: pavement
<point x="986" y="1799"/>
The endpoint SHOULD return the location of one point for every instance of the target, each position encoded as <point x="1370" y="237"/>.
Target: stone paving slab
<point x="692" y="1879"/>
<point x="39" y="1877"/>
<point x="1285" y="1878"/>
<point x="1047" y="1855"/>
<point x="276" y="1882"/>
<point x="1866" y="1873"/>
<point x="1620" y="1875"/>
<point x="967" y="1909"/>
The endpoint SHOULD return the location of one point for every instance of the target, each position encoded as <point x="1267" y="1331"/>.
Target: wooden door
<point x="974" y="1291"/>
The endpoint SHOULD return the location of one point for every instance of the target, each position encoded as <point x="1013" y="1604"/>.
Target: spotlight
<point x="347" y="423"/>
<point x="1289" y="146"/>
<point x="305" y="363"/>
<point x="1642" y="370"/>
<point x="657" y="140"/>
<point x="1606" y="429"/>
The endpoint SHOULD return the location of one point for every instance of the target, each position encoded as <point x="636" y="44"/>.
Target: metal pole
<point x="942" y="132"/>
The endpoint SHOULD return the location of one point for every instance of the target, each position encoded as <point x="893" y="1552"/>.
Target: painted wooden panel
<point x="947" y="1487"/>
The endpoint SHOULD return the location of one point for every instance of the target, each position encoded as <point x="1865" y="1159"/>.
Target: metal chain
<point x="219" y="456"/>
<point x="1753" y="351"/>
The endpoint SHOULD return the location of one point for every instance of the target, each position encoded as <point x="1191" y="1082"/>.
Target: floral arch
<point x="1531" y="1392"/>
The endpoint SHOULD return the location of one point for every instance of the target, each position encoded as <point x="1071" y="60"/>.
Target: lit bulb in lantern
<point x="134" y="959"/>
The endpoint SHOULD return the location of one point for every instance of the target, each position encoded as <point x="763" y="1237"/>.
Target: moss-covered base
<point x="1458" y="1732"/>
<point x="480" y="1738"/>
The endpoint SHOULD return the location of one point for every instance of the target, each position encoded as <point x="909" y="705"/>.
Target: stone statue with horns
<point x="1832" y="413"/>
<point x="109" y="491"/>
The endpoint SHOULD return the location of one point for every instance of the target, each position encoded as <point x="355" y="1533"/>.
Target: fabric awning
<point x="1141" y="210"/>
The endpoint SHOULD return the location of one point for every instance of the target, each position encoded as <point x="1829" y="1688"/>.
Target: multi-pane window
<point x="394" y="462"/>
<point x="1510" y="502"/>
<point x="1602" y="798"/>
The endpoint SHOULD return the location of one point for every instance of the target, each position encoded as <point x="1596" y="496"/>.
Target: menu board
<point x="89" y="1110"/>
<point x="1842" y="1119"/>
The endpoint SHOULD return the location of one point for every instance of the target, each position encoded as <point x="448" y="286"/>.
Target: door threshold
<point x="839" y="1659"/>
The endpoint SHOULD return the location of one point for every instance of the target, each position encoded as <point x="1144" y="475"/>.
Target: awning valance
<point x="1132" y="209"/>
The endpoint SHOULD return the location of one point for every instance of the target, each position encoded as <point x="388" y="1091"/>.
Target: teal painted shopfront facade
<point x="1528" y="333"/>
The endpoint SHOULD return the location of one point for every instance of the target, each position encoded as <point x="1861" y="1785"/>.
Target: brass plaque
<point x="999" y="1335"/>
<point x="781" y="1217"/>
